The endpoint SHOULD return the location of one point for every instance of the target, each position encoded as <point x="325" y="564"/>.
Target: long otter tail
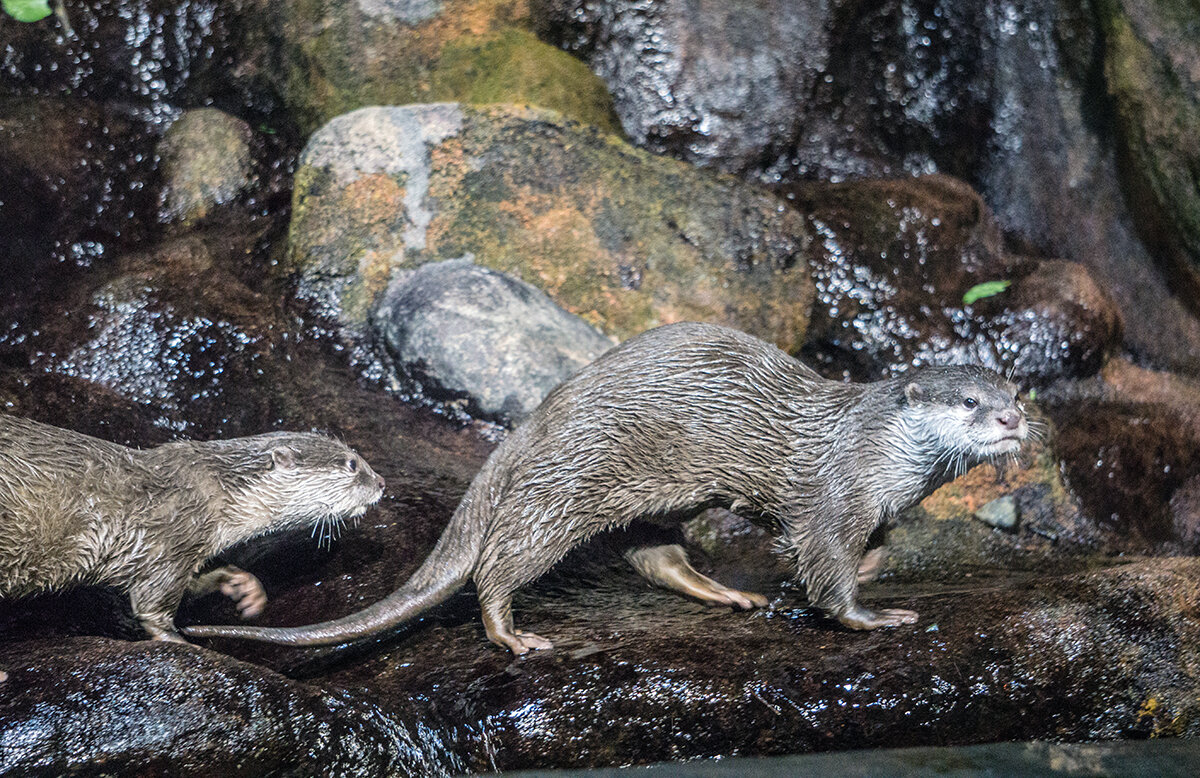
<point x="443" y="573"/>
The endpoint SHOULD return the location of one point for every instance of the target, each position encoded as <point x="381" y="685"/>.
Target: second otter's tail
<point x="443" y="573"/>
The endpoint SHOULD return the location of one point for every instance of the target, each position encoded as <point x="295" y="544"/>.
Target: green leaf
<point x="986" y="289"/>
<point x="27" y="10"/>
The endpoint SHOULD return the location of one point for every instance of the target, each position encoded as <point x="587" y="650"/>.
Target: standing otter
<point x="689" y="416"/>
<point x="79" y="510"/>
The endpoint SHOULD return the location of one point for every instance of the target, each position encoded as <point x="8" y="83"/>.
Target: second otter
<point x="77" y="510"/>
<point x="688" y="416"/>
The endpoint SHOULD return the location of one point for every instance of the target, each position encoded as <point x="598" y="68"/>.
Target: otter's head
<point x="966" y="412"/>
<point x="301" y="478"/>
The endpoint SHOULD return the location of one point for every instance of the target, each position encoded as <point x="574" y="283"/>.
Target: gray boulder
<point x="477" y="332"/>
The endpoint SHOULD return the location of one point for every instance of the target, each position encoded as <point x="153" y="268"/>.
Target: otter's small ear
<point x="914" y="393"/>
<point x="283" y="457"/>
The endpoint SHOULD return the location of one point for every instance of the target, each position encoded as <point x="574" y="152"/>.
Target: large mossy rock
<point x="622" y="238"/>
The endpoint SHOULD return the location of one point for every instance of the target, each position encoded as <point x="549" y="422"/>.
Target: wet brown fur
<point x="688" y="416"/>
<point x="77" y="510"/>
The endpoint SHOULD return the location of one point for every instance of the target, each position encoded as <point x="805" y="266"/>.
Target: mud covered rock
<point x="206" y="163"/>
<point x="622" y="238"/>
<point x="1127" y="440"/>
<point x="475" y="332"/>
<point x="96" y="706"/>
<point x="893" y="261"/>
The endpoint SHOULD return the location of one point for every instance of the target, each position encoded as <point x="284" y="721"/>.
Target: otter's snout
<point x="380" y="482"/>
<point x="1009" y="419"/>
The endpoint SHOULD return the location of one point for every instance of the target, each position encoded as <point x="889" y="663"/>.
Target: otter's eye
<point x="352" y="464"/>
<point x="970" y="402"/>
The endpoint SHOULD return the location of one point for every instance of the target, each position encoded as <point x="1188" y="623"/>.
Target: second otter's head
<point x="966" y="411"/>
<point x="292" y="479"/>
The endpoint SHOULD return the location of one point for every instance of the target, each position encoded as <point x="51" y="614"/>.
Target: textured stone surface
<point x="476" y="332"/>
<point x="1152" y="71"/>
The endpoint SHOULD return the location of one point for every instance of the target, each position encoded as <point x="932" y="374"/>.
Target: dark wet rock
<point x="475" y="332"/>
<point x="75" y="186"/>
<point x="724" y="84"/>
<point x="1052" y="176"/>
<point x="1152" y="71"/>
<point x="1000" y="513"/>
<point x="100" y="707"/>
<point x="205" y="164"/>
<point x="152" y="54"/>
<point x="892" y="262"/>
<point x="615" y="235"/>
<point x="170" y="329"/>
<point x="1127" y="440"/>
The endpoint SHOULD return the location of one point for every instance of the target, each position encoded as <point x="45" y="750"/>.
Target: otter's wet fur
<point x="689" y="416"/>
<point x="77" y="510"/>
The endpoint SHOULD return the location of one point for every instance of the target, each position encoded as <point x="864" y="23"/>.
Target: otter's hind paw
<point x="859" y="617"/>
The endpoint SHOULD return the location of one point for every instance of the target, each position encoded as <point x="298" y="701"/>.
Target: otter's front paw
<point x="859" y="617"/>
<point x="246" y="591"/>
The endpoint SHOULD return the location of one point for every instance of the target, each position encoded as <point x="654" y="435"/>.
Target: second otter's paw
<point x="247" y="592"/>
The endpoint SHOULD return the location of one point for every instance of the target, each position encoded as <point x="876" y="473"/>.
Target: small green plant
<point x="986" y="289"/>
<point x="27" y="10"/>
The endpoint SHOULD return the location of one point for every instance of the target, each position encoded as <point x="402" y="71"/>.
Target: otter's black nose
<point x="1008" y="419"/>
<point x="379" y="480"/>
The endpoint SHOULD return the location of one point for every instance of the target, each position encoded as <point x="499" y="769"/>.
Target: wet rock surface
<point x="498" y="342"/>
<point x="151" y="708"/>
<point x="1150" y="70"/>
<point x="73" y="186"/>
<point x="622" y="238"/>
<point x="785" y="681"/>
<point x="893" y="261"/>
<point x="724" y="84"/>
